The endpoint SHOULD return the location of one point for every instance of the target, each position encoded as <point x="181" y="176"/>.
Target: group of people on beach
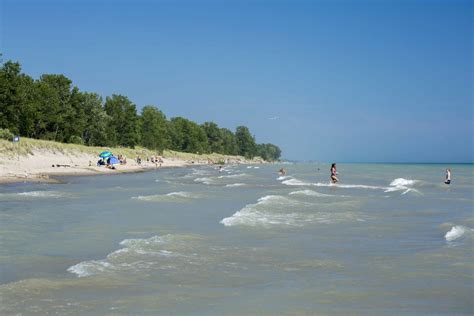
<point x="334" y="178"/>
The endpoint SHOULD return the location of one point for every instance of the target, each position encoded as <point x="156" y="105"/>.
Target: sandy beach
<point x="42" y="162"/>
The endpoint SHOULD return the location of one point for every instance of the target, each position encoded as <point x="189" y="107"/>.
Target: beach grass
<point x="28" y="146"/>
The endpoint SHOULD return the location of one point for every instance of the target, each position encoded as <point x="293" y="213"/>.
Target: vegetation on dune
<point x="51" y="108"/>
<point x="29" y="146"/>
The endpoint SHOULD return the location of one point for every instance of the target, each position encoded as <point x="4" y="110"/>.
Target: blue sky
<point x="353" y="81"/>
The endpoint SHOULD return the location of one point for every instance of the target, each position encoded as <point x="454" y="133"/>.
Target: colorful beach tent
<point x="113" y="160"/>
<point x="105" y="154"/>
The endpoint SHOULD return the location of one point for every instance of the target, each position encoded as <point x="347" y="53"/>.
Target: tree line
<point x="52" y="108"/>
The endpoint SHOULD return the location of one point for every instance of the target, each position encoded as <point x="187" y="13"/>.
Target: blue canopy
<point x="105" y="154"/>
<point x="113" y="160"/>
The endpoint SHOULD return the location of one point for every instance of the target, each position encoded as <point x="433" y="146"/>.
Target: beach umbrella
<point x="113" y="160"/>
<point x="105" y="154"/>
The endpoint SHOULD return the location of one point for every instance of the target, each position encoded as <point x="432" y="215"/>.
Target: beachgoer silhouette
<point x="334" y="179"/>
<point x="448" y="176"/>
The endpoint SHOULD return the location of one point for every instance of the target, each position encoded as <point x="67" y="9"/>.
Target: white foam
<point x="181" y="194"/>
<point x="295" y="182"/>
<point x="239" y="175"/>
<point x="348" y="186"/>
<point x="309" y="193"/>
<point x="134" y="242"/>
<point x="204" y="180"/>
<point x="401" y="184"/>
<point x="33" y="195"/>
<point x="281" y="178"/>
<point x="232" y="185"/>
<point x="166" y="197"/>
<point x="88" y="268"/>
<point x="137" y="254"/>
<point x="455" y="233"/>
<point x="398" y="184"/>
<point x="42" y="194"/>
<point x="269" y="210"/>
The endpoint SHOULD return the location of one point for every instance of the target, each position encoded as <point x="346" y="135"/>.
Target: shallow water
<point x="389" y="240"/>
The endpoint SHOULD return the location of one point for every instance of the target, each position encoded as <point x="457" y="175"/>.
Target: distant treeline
<point x="52" y="108"/>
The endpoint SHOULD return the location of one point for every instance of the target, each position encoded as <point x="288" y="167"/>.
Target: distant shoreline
<point x="37" y="161"/>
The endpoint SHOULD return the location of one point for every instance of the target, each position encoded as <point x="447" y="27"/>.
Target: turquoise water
<point x="389" y="240"/>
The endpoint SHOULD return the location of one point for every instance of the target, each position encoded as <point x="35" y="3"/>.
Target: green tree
<point x="245" y="142"/>
<point x="27" y="108"/>
<point x="154" y="129"/>
<point x="229" y="142"/>
<point x="51" y="108"/>
<point x="214" y="137"/>
<point x="124" y="124"/>
<point x="11" y="96"/>
<point x="269" y="152"/>
<point x="187" y="136"/>
<point x="53" y="98"/>
<point x="97" y="124"/>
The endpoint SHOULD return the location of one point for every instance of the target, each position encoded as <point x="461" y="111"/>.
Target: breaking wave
<point x="277" y="210"/>
<point x="309" y="193"/>
<point x="232" y="185"/>
<point x="136" y="255"/>
<point x="295" y="182"/>
<point x="455" y="233"/>
<point x="32" y="195"/>
<point x="399" y="184"/>
<point x="205" y="180"/>
<point x="173" y="196"/>
<point x="260" y="213"/>
<point x="239" y="175"/>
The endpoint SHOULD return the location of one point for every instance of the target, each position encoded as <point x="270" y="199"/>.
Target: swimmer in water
<point x="282" y="172"/>
<point x="334" y="179"/>
<point x="448" y="176"/>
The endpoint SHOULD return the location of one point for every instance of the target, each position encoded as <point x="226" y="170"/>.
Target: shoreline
<point x="44" y="161"/>
<point x="55" y="177"/>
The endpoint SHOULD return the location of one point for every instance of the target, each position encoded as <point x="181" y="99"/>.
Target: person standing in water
<point x="448" y="176"/>
<point x="334" y="179"/>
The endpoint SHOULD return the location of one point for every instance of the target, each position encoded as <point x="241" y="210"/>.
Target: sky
<point x="342" y="81"/>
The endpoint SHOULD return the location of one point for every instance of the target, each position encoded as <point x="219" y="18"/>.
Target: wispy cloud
<point x="273" y="118"/>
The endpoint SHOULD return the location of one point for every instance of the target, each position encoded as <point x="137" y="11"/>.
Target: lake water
<point x="389" y="240"/>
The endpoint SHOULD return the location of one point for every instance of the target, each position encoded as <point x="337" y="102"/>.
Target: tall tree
<point x="245" y="142"/>
<point x="229" y="142"/>
<point x="124" y="121"/>
<point x="214" y="137"/>
<point x="187" y="136"/>
<point x="154" y="129"/>
<point x="54" y="99"/>
<point x="96" y="130"/>
<point x="10" y="96"/>
<point x="269" y="152"/>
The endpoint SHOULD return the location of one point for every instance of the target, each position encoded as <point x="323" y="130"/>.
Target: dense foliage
<point x="52" y="108"/>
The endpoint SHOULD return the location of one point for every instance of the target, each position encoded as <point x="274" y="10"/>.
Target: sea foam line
<point x="137" y="254"/>
<point x="232" y="185"/>
<point x="399" y="184"/>
<point x="269" y="210"/>
<point x="167" y="197"/>
<point x="33" y="195"/>
<point x="309" y="193"/>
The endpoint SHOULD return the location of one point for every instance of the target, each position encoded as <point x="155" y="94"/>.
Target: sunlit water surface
<point x="389" y="240"/>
